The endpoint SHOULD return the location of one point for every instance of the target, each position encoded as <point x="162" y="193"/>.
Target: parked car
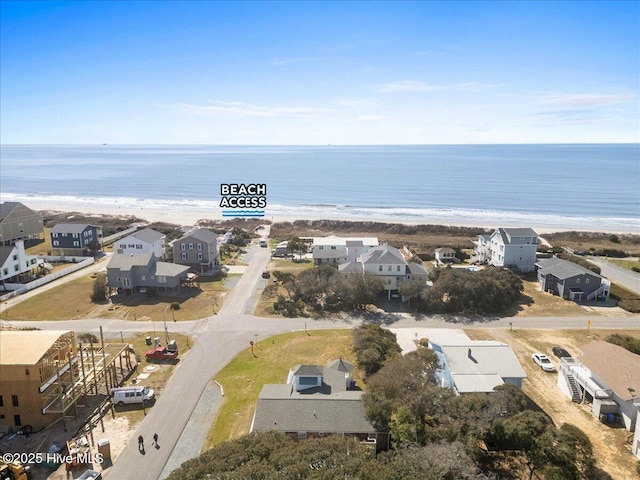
<point x="543" y="362"/>
<point x="560" y="352"/>
<point x="160" y="354"/>
<point x="266" y="274"/>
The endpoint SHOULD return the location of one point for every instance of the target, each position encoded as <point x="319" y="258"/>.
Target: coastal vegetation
<point x="374" y="346"/>
<point x="625" y="341"/>
<point x="627" y="300"/>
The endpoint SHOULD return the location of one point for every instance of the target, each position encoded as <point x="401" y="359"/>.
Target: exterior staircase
<point x="573" y="385"/>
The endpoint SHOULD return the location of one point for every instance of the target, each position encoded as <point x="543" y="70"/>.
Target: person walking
<point x="155" y="439"/>
<point x="140" y="443"/>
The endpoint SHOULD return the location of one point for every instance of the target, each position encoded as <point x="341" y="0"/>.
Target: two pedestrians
<point x="141" y="443"/>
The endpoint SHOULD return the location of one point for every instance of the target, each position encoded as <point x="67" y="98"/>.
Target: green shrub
<point x="625" y="341"/>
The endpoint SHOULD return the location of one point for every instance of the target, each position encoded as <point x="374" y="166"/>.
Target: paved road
<point x="622" y="276"/>
<point x="221" y="337"/>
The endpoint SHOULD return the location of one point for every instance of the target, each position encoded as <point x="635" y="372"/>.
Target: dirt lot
<point x="609" y="444"/>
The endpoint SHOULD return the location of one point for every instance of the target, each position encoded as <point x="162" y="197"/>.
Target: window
<point x="302" y="434"/>
<point x="398" y="268"/>
<point x="586" y="280"/>
<point x="161" y="279"/>
<point x="183" y="246"/>
<point x="75" y="235"/>
<point x="191" y="246"/>
<point x="388" y="268"/>
<point x="118" y="279"/>
<point x="16" y="268"/>
<point x="199" y="246"/>
<point x="14" y="400"/>
<point x="199" y="255"/>
<point x="26" y="372"/>
<point x="183" y="256"/>
<point x="577" y="281"/>
<point x="16" y="420"/>
<point x="15" y="257"/>
<point x="55" y="235"/>
<point x="5" y="271"/>
<point x="143" y="277"/>
<point x="139" y="247"/>
<point x="1" y="401"/>
<point x="379" y="268"/>
<point x="320" y="247"/>
<point x="76" y="244"/>
<point x="126" y="282"/>
<point x="333" y="247"/>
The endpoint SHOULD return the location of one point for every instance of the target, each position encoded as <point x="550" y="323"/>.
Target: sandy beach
<point x="192" y="214"/>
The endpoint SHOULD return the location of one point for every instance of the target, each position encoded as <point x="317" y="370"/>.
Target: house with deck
<point x="571" y="281"/>
<point x="71" y="239"/>
<point x="606" y="376"/>
<point x="146" y="240"/>
<point x="387" y="263"/>
<point x="513" y="248"/>
<point x="15" y="263"/>
<point x="339" y="250"/>
<point x="19" y="222"/>
<point x="445" y="255"/>
<point x="132" y="273"/>
<point x="317" y="401"/>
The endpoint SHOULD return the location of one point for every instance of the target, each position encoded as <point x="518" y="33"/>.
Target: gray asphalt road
<point x="221" y="337"/>
<point x="626" y="278"/>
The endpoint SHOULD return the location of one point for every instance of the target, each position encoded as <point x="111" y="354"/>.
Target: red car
<point x="266" y="274"/>
<point x="160" y="354"/>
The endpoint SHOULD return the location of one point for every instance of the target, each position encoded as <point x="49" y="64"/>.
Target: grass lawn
<point x="628" y="264"/>
<point x="243" y="378"/>
<point x="268" y="297"/>
<point x="60" y="303"/>
<point x="542" y="304"/>
<point x="72" y="300"/>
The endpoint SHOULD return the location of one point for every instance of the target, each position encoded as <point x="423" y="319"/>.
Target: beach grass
<point x="628" y="264"/>
<point x="243" y="378"/>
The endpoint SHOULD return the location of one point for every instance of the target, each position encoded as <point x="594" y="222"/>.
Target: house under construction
<point x="46" y="376"/>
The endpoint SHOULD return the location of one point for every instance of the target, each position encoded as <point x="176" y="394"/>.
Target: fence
<point x="19" y="288"/>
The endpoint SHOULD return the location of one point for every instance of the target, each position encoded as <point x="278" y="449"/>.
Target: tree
<point x="94" y="247"/>
<point x="412" y="289"/>
<point x="99" y="291"/>
<point x="295" y="245"/>
<point x="374" y="346"/>
<point x="360" y="290"/>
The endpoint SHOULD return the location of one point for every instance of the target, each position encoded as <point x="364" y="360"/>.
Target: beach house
<point x="197" y="249"/>
<point x="74" y="238"/>
<point x="133" y="273"/>
<point x="316" y="401"/>
<point x="513" y="248"/>
<point x="477" y="365"/>
<point x="338" y="250"/>
<point x="19" y="222"/>
<point x="389" y="264"/>
<point x="15" y="263"/>
<point x="146" y="240"/>
<point x="570" y="280"/>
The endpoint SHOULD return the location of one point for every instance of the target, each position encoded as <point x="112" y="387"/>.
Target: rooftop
<point x="384" y="254"/>
<point x="563" y="268"/>
<point x="71" y="227"/>
<point x="148" y="235"/>
<point x="19" y="347"/>
<point x="345" y="241"/>
<point x="202" y="234"/>
<point x="485" y="357"/>
<point x="616" y="366"/>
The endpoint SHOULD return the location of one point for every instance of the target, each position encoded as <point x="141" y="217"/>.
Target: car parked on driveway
<point x="560" y="352"/>
<point x="543" y="362"/>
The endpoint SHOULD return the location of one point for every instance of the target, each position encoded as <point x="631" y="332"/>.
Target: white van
<point x="137" y="394"/>
<point x="263" y="242"/>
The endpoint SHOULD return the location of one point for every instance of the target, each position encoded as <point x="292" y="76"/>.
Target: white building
<point x="15" y="262"/>
<point x="339" y="250"/>
<point x="513" y="248"/>
<point x="388" y="263"/>
<point x="477" y="365"/>
<point x="606" y="376"/>
<point x="146" y="240"/>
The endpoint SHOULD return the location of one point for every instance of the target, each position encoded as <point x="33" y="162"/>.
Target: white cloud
<point x="248" y="110"/>
<point x="586" y="99"/>
<point x="370" y="118"/>
<point x="418" y="86"/>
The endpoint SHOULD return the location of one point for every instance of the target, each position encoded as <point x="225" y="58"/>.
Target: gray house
<point x="198" y="249"/>
<point x="18" y="222"/>
<point x="133" y="272"/>
<point x="316" y="401"/>
<point x="74" y="238"/>
<point x="571" y="281"/>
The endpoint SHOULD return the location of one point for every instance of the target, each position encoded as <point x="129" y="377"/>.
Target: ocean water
<point x="581" y="185"/>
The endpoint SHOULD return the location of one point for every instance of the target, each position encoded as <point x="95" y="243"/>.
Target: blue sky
<point x="319" y="72"/>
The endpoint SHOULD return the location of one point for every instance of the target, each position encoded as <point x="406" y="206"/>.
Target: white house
<point x="513" y="248"/>
<point x="477" y="365"/>
<point x="15" y="262"/>
<point x="146" y="240"/>
<point x="445" y="255"/>
<point x="388" y="263"/>
<point x="340" y="250"/>
<point x="608" y="377"/>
